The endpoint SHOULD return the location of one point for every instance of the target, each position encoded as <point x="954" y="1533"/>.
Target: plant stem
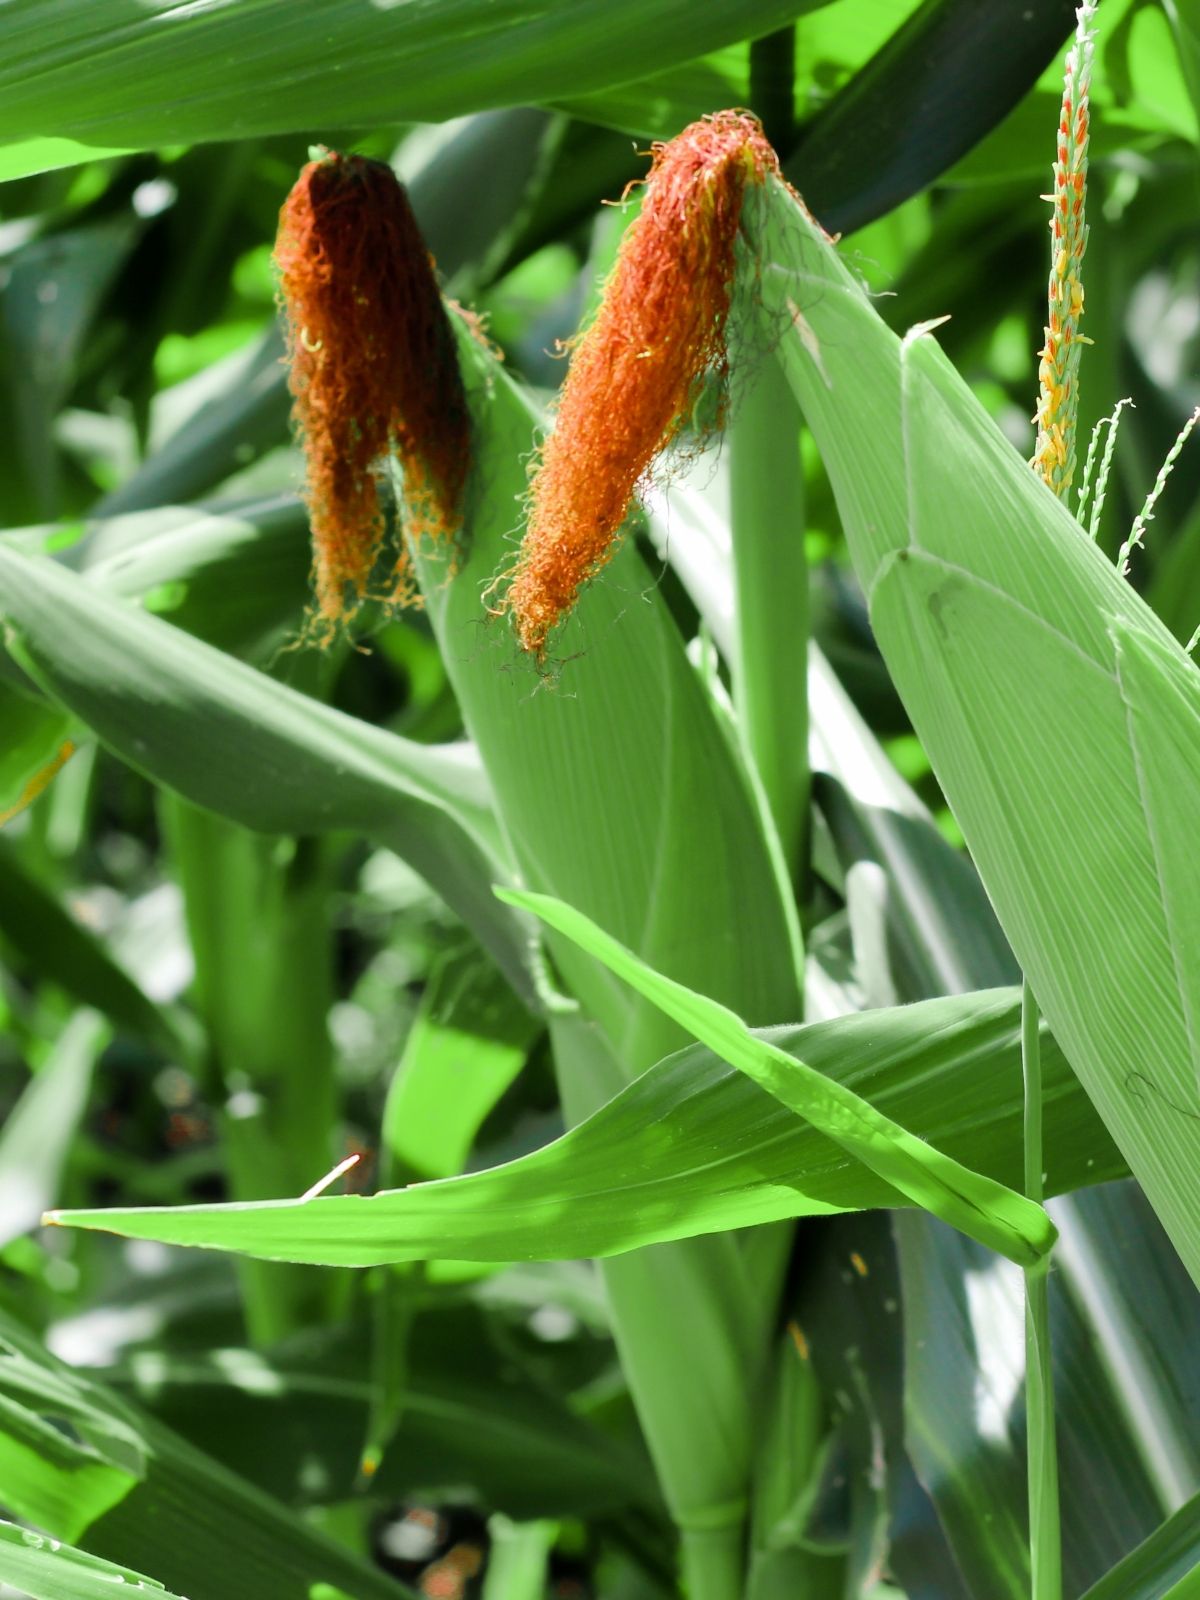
<point x="258" y="919"/>
<point x="1045" y="1544"/>
<point x="689" y="1338"/>
<point x="714" y="1561"/>
<point x="770" y="666"/>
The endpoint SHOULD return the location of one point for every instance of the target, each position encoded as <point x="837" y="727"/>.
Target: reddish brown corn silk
<point x="636" y="373"/>
<point x="373" y="371"/>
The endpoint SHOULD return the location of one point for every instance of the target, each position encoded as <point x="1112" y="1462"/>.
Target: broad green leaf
<point x="1000" y="623"/>
<point x="28" y="156"/>
<point x="642" y="1169"/>
<point x="964" y="1390"/>
<point x="241" y="744"/>
<point x="918" y="1333"/>
<point x="1124" y="1291"/>
<point x="1161" y="693"/>
<point x="1030" y="803"/>
<point x="46" y="1569"/>
<point x="201" y="1528"/>
<point x="100" y="73"/>
<point x="980" y="1207"/>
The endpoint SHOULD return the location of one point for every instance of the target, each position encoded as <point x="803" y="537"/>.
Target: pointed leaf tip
<point x="977" y="1205"/>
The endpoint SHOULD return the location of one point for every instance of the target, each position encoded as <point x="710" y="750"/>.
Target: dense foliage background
<point x="222" y="963"/>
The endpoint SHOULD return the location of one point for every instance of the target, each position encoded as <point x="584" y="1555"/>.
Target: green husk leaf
<point x="1007" y="634"/>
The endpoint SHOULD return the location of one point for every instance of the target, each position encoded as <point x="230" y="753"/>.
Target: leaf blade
<point x="996" y="1216"/>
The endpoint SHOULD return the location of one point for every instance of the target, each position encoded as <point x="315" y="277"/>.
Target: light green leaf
<point x="643" y="1168"/>
<point x="997" y="617"/>
<point x="45" y="1569"/>
<point x="34" y="743"/>
<point x="241" y="744"/>
<point x="61" y="1481"/>
<point x="29" y="156"/>
<point x="467" y="1043"/>
<point x="980" y="1207"/>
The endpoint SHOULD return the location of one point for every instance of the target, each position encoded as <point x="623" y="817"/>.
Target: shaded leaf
<point x="202" y="1529"/>
<point x="239" y="743"/>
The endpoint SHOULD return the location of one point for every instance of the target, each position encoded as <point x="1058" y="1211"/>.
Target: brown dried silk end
<point x="373" y="370"/>
<point x="636" y="373"/>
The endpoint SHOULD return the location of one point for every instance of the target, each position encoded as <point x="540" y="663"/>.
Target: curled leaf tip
<point x="373" y="372"/>
<point x="647" y="366"/>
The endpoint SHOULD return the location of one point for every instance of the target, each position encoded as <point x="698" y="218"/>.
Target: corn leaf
<point x="1030" y="671"/>
<point x="472" y="1414"/>
<point x="239" y="743"/>
<point x="1166" y="1566"/>
<point x="201" y="1528"/>
<point x="38" y="1131"/>
<point x="46" y="1569"/>
<point x="982" y="1208"/>
<point x="643" y="1168"/>
<point x="108" y="74"/>
<point x="60" y="1480"/>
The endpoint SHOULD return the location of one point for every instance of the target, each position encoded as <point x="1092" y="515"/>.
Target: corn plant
<point x="549" y="688"/>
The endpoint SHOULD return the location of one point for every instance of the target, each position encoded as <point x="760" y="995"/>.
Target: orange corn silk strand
<point x="635" y="373"/>
<point x="373" y="370"/>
